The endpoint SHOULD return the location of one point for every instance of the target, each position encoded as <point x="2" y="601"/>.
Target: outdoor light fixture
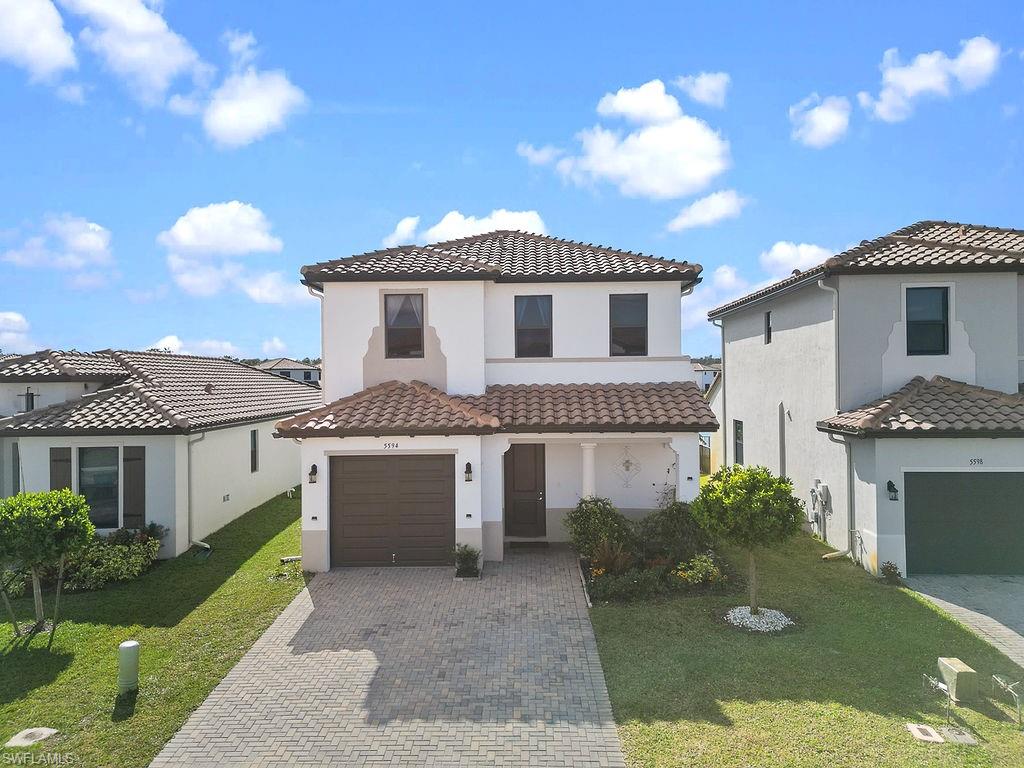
<point x="469" y="472"/>
<point x="312" y="474"/>
<point x="894" y="494"/>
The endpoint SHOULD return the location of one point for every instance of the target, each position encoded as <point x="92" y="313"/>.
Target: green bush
<point x="467" y="560"/>
<point x="890" y="573"/>
<point x="634" y="584"/>
<point x="593" y="521"/>
<point x="698" y="571"/>
<point x="671" y="533"/>
<point x="121" y="556"/>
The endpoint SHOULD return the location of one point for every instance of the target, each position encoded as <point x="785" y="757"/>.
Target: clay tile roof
<point x="416" y="408"/>
<point x="285" y="362"/>
<point x="927" y="246"/>
<point x="501" y="256"/>
<point x="934" y="407"/>
<point x="169" y="393"/>
<point x="59" y="365"/>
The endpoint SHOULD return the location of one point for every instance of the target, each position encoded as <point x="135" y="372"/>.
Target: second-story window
<point x="533" y="326"/>
<point x="403" y="325"/>
<point x="768" y="327"/>
<point x="928" y="321"/>
<point x="627" y="316"/>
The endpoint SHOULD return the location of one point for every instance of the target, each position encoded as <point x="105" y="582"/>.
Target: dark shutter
<point x="60" y="468"/>
<point x="15" y="469"/>
<point x="134" y="486"/>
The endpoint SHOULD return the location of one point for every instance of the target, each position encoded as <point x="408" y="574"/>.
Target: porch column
<point x="589" y="484"/>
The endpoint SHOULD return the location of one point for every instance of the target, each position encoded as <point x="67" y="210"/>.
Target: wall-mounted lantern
<point x="312" y="474"/>
<point x="894" y="494"/>
<point x="469" y="472"/>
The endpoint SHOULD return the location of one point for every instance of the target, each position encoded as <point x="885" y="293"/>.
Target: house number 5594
<point x="977" y="462"/>
<point x="389" y="446"/>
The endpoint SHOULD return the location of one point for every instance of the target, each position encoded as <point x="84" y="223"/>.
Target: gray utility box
<point x="961" y="679"/>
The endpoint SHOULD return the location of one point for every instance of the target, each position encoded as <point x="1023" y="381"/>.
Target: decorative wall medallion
<point x="627" y="467"/>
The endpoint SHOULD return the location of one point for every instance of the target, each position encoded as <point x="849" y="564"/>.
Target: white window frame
<point x="950" y="309"/>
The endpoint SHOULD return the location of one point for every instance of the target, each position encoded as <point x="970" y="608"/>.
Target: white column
<point x="589" y="484"/>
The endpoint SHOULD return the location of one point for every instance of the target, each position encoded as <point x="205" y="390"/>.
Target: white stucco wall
<point x="781" y="390"/>
<point x="220" y="467"/>
<point x="894" y="457"/>
<point x="47" y="393"/>
<point x="984" y="327"/>
<point x="166" y="489"/>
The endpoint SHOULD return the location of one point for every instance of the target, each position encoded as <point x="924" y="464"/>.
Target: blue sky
<point x="168" y="167"/>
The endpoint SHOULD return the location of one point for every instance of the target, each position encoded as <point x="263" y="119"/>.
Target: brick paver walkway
<point x="993" y="606"/>
<point x="404" y="666"/>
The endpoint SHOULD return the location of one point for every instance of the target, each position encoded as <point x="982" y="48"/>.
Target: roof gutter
<point x="807" y="279"/>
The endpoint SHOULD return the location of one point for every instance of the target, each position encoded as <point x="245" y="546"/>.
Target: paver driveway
<point x="993" y="606"/>
<point x="404" y="666"/>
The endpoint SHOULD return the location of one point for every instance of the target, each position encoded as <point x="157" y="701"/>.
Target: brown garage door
<point x="392" y="510"/>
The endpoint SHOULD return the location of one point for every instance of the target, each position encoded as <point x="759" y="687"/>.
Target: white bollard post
<point x="128" y="666"/>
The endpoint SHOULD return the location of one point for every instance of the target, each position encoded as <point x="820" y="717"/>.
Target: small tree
<point x="751" y="508"/>
<point x="41" y="531"/>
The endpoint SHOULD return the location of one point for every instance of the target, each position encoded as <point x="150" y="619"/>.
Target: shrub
<point x="751" y="508"/>
<point x="595" y="520"/>
<point x="671" y="532"/>
<point x="610" y="558"/>
<point x="467" y="560"/>
<point x="890" y="573"/>
<point x="699" y="570"/>
<point x="634" y="584"/>
<point x="118" y="557"/>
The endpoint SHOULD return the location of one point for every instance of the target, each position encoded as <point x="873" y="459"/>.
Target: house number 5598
<point x="389" y="446"/>
<point x="977" y="462"/>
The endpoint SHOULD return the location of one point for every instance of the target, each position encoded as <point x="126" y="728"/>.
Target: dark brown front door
<point x="392" y="510"/>
<point x="524" y="491"/>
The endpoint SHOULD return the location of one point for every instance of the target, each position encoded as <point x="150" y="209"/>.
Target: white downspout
<point x="192" y="541"/>
<point x="721" y="385"/>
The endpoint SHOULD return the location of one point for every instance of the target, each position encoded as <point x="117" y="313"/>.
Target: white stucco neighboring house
<point x="291" y="369"/>
<point x="148" y="437"/>
<point x="706" y="374"/>
<point x="885" y="382"/>
<point x="476" y="389"/>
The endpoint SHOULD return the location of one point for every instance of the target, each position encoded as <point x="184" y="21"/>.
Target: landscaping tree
<point x="41" y="531"/>
<point x="751" y="508"/>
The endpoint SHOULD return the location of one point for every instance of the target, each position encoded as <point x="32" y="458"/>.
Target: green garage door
<point x="965" y="522"/>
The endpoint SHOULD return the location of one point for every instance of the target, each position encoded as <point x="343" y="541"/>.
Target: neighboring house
<point x="716" y="440"/>
<point x="477" y="388"/>
<point x="148" y="437"/>
<point x="706" y="374"/>
<point x="291" y="369"/>
<point x="926" y="327"/>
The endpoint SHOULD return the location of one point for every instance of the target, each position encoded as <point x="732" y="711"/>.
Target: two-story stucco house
<point x="291" y="369"/>
<point x="885" y="383"/>
<point x="476" y="389"/>
<point x="148" y="437"/>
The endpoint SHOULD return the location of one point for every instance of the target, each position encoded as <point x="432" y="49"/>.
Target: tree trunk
<point x="10" y="610"/>
<point x="754" y="609"/>
<point x="56" y="602"/>
<point x="37" y="594"/>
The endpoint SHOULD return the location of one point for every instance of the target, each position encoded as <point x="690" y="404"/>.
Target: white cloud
<point x="819" y="122"/>
<point x="716" y="207"/>
<point x="14" y="334"/>
<point x="71" y="244"/>
<point x="233" y="228"/>
<point x="645" y="104"/>
<point x="707" y="88"/>
<point x="404" y="232"/>
<point x="273" y="288"/>
<point x="455" y="224"/>
<point x="722" y="285"/>
<point x="784" y="256"/>
<point x="250" y="103"/>
<point x="538" y="155"/>
<point x="136" y="44"/>
<point x="73" y="93"/>
<point x="274" y="347"/>
<point x="209" y="347"/>
<point x="32" y="36"/>
<point x="930" y="74"/>
<point x="201" y="277"/>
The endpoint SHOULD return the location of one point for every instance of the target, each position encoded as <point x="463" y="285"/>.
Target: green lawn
<point x="689" y="690"/>
<point x="194" y="619"/>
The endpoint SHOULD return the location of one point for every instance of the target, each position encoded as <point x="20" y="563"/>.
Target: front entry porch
<point x="530" y="482"/>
